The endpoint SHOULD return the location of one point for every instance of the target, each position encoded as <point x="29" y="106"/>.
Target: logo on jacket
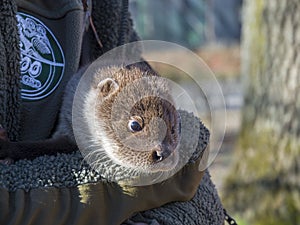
<point x="42" y="58"/>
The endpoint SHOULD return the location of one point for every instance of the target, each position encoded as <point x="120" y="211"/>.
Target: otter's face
<point x="144" y="137"/>
<point x="153" y="134"/>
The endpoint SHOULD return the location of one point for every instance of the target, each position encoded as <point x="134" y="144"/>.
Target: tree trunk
<point x="264" y="185"/>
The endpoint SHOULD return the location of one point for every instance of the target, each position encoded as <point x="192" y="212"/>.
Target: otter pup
<point x="125" y="113"/>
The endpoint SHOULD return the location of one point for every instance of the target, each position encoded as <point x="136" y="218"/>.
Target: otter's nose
<point x="159" y="154"/>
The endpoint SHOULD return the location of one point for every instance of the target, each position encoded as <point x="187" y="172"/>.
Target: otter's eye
<point x="134" y="126"/>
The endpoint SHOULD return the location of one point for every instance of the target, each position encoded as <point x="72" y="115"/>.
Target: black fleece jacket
<point x="54" y="43"/>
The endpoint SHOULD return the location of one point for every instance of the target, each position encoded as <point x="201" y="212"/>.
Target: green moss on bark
<point x="263" y="187"/>
<point x="262" y="203"/>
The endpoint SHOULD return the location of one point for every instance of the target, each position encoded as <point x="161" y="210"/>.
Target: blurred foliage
<point x="191" y="23"/>
<point x="223" y="61"/>
<point x="176" y="21"/>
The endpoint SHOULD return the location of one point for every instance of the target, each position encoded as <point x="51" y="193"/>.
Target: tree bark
<point x="264" y="184"/>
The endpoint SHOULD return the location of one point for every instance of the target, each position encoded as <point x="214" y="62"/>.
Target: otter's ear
<point x="107" y="87"/>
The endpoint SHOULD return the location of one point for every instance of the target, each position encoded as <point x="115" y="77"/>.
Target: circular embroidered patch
<point x="42" y="58"/>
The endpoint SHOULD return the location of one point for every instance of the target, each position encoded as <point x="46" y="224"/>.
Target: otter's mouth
<point x="158" y="155"/>
<point x="164" y="158"/>
<point x="165" y="163"/>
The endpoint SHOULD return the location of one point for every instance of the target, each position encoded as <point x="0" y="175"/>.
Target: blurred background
<point x="191" y="23"/>
<point x="252" y="48"/>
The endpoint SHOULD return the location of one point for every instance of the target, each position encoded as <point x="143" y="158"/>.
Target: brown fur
<point x="157" y="103"/>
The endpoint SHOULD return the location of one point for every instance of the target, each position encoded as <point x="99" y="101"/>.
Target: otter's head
<point x="137" y="123"/>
